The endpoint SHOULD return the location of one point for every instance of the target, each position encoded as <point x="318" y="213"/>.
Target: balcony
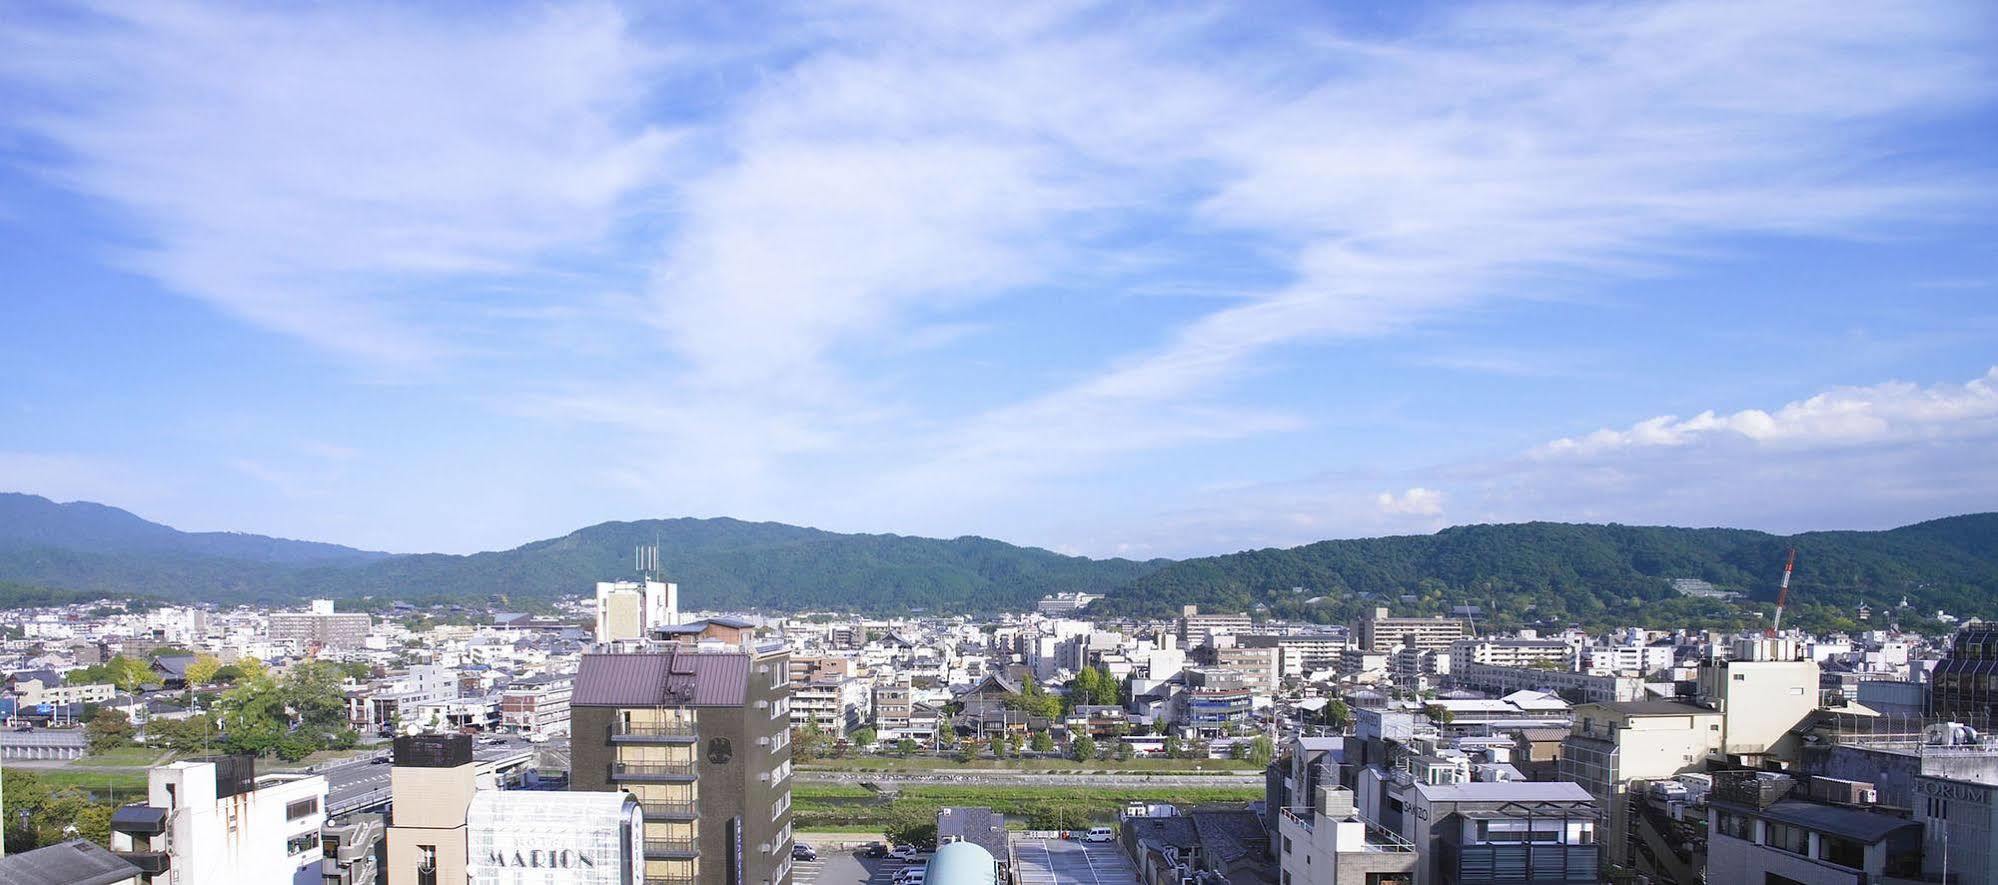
<point x="671" y="810"/>
<point x="651" y="732"/>
<point x="669" y="880"/>
<point x="151" y="863"/>
<point x="671" y="849"/>
<point x="652" y="771"/>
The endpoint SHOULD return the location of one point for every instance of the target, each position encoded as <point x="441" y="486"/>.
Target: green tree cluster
<point x="40" y="813"/>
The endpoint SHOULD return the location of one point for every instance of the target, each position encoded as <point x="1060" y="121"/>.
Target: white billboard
<point x="543" y="838"/>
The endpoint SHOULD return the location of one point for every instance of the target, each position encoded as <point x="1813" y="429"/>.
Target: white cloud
<point x="1846" y="416"/>
<point x="310" y="170"/>
<point x="1417" y="501"/>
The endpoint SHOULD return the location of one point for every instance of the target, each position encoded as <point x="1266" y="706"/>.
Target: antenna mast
<point x="1783" y="592"/>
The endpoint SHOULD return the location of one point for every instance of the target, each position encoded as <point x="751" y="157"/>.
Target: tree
<point x="107" y="729"/>
<point x="1172" y="746"/>
<point x="1042" y="742"/>
<point x="1160" y="726"/>
<point x="1336" y="714"/>
<point x="40" y="814"/>
<point x="864" y="738"/>
<point x="1124" y="751"/>
<point x="312" y="690"/>
<point x="906" y="748"/>
<point x="999" y="746"/>
<point x="810" y="742"/>
<point x="253" y="715"/>
<point x="1083" y="748"/>
<point x="1439" y="714"/>
<point x="1035" y="701"/>
<point x="195" y="734"/>
<point x="1261" y="750"/>
<point x="202" y="670"/>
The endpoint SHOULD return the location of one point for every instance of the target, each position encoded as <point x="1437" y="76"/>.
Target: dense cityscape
<point x="620" y="738"/>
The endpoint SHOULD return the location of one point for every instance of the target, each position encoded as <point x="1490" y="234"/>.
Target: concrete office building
<point x="532" y="838"/>
<point x="1960" y="827"/>
<point x="432" y="785"/>
<point x="537" y="705"/>
<point x="702" y="740"/>
<point x="1580" y="688"/>
<point x="1485" y="833"/>
<point x="1198" y="631"/>
<point x="1611" y="745"/>
<point x="356" y="850"/>
<point x="1384" y="633"/>
<point x="1328" y="843"/>
<point x="321" y="627"/>
<point x="214" y="820"/>
<point x="1298" y="653"/>
<point x="1757" y="832"/>
<point x="1543" y="654"/>
<point x="1763" y="692"/>
<point x="628" y="611"/>
<point x="1261" y="666"/>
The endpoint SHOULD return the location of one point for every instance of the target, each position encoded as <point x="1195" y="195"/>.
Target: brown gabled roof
<point x="662" y="679"/>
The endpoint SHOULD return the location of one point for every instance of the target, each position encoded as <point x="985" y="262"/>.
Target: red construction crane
<point x="1783" y="592"/>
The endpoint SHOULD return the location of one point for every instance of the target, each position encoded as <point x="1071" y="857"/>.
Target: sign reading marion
<point x="538" y="859"/>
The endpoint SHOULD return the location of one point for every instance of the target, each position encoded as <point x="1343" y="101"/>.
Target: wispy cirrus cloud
<point x="313" y="170"/>
<point x="793" y="199"/>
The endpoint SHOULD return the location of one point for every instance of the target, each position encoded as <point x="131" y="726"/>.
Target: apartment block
<point x="1198" y="630"/>
<point x="1384" y="633"/>
<point x="1262" y="666"/>
<point x="321" y="627"/>
<point x="701" y="739"/>
<point x="537" y="705"/>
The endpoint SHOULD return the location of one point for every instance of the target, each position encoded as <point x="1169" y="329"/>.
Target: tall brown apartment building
<point x="702" y="739"/>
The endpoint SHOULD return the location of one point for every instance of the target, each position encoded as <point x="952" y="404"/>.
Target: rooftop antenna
<point x="646" y="559"/>
<point x="1783" y="593"/>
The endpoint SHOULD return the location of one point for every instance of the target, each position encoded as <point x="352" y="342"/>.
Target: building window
<point x="426" y="865"/>
<point x="1286" y="844"/>
<point x="301" y="808"/>
<point x="1844" y="852"/>
<point x="1737" y="826"/>
<point x="301" y="843"/>
<point x="1795" y="840"/>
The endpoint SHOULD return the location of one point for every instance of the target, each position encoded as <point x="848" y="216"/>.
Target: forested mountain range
<point x="1558" y="572"/>
<point x="1515" y="574"/>
<point x="719" y="563"/>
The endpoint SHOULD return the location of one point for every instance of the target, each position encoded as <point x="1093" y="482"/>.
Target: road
<point x="362" y="784"/>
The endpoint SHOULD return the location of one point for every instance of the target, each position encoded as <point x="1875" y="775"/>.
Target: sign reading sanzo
<point x="537" y="859"/>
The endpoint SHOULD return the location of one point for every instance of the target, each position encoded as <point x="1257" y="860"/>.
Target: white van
<point x="1099" y="834"/>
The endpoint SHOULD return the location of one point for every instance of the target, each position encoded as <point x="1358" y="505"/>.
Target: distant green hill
<point x="1517" y="574"/>
<point x="1535" y="572"/>
<point x="720" y="563"/>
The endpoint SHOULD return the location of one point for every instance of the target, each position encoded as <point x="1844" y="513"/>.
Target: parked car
<point x="801" y="851"/>
<point x="903" y="852"/>
<point x="911" y="876"/>
<point x="876" y="849"/>
<point x="1099" y="834"/>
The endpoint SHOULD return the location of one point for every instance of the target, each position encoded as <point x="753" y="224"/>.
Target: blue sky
<point x="1111" y="279"/>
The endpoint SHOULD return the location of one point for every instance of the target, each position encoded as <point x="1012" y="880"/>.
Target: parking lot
<point x="837" y="866"/>
<point x="1068" y="862"/>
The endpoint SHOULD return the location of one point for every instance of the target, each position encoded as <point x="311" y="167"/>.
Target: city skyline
<point x="1102" y="279"/>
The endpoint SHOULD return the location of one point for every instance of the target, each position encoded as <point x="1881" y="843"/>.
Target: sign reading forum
<point x="535" y="838"/>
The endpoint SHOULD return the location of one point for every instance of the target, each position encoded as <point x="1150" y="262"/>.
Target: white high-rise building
<point x="215" y="820"/>
<point x="629" y="610"/>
